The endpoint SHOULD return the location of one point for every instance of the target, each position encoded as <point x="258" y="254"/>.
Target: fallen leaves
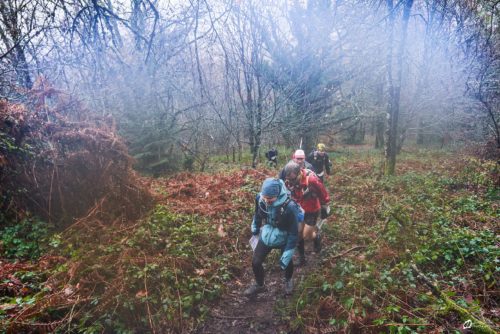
<point x="209" y="195"/>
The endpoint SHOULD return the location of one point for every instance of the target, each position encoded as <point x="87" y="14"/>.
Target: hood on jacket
<point x="275" y="188"/>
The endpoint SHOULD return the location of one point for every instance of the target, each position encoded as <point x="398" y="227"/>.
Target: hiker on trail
<point x="299" y="157"/>
<point x="310" y="193"/>
<point x="272" y="157"/>
<point x="276" y="218"/>
<point x="320" y="161"/>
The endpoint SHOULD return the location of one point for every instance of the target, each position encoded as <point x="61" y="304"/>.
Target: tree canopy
<point x="188" y="79"/>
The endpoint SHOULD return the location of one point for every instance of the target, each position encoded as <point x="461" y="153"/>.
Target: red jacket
<point x="310" y="193"/>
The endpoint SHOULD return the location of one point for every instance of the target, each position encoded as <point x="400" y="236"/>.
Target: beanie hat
<point x="299" y="154"/>
<point x="271" y="187"/>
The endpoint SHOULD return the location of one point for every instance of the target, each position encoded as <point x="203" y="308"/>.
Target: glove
<point x="286" y="258"/>
<point x="325" y="211"/>
<point x="300" y="215"/>
<point x="254" y="228"/>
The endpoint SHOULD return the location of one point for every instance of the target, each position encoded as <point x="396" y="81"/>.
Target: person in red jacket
<point x="308" y="191"/>
<point x="299" y="157"/>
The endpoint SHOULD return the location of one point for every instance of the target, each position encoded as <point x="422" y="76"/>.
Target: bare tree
<point x="395" y="73"/>
<point x="240" y="74"/>
<point x="20" y="22"/>
<point x="245" y="57"/>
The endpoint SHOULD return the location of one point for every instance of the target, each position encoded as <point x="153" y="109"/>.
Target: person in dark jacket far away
<point x="310" y="193"/>
<point x="299" y="157"/>
<point x="320" y="161"/>
<point x="272" y="157"/>
<point x="276" y="219"/>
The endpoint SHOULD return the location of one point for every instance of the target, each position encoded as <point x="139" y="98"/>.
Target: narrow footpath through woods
<point x="235" y="313"/>
<point x="213" y="197"/>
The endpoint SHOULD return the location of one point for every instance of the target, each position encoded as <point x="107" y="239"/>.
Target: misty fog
<point x="208" y="77"/>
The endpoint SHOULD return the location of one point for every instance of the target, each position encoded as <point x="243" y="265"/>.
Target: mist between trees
<point x="185" y="80"/>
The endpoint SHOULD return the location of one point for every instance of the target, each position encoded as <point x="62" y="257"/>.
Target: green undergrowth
<point x="163" y="273"/>
<point x="159" y="275"/>
<point x="26" y="239"/>
<point x="22" y="244"/>
<point x="440" y="213"/>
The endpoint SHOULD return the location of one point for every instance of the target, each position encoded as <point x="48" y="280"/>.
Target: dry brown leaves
<point x="12" y="285"/>
<point x="211" y="196"/>
<point x="59" y="163"/>
<point x="64" y="162"/>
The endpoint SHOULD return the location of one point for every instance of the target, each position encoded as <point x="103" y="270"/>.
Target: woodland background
<point x="131" y="141"/>
<point x="186" y="80"/>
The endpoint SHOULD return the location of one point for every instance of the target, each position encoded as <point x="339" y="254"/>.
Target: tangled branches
<point x="57" y="162"/>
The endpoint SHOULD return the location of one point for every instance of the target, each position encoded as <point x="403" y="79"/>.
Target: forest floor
<point x="233" y="312"/>
<point x="373" y="289"/>
<point x="236" y="314"/>
<point x="183" y="268"/>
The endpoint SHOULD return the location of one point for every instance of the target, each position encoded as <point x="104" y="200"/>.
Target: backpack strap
<point x="308" y="172"/>
<point x="284" y="205"/>
<point x="282" y="210"/>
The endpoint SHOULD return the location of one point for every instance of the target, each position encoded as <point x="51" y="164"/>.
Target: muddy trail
<point x="264" y="313"/>
<point x="269" y="311"/>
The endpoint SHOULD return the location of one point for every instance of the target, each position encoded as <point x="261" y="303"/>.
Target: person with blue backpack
<point x="275" y="222"/>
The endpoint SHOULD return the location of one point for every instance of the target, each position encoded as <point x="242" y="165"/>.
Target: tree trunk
<point x="307" y="143"/>
<point x="362" y="133"/>
<point x="12" y="38"/>
<point x="401" y="141"/>
<point x="422" y="83"/>
<point x="420" y="133"/>
<point x="379" y="134"/>
<point x="258" y="117"/>
<point x="494" y="122"/>
<point x="395" y="85"/>
<point x="380" y="118"/>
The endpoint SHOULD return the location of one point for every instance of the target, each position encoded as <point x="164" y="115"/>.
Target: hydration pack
<point x="278" y="221"/>
<point x="307" y="193"/>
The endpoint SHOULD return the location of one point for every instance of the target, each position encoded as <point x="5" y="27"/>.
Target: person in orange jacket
<point x="308" y="191"/>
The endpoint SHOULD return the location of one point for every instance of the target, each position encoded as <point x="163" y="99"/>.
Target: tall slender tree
<point x="395" y="74"/>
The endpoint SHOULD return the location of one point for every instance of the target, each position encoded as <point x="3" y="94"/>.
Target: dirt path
<point x="237" y="314"/>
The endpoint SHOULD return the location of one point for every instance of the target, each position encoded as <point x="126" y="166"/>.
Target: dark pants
<point x="273" y="161"/>
<point x="259" y="256"/>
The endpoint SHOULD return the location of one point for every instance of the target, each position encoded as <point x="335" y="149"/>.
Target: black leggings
<point x="259" y="256"/>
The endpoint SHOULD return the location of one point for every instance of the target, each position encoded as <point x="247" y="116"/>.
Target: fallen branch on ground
<point x="477" y="325"/>
<point x="347" y="251"/>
